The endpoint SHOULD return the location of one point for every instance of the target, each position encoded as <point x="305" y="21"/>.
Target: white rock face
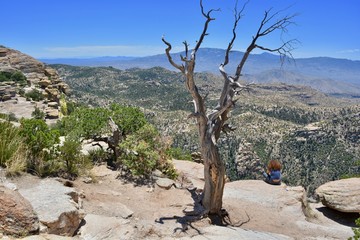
<point x="53" y="203"/>
<point x="341" y="195"/>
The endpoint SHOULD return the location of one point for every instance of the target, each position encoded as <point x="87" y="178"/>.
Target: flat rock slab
<point x="342" y="195"/>
<point x="257" y="191"/>
<point x="102" y="227"/>
<point x="55" y="207"/>
<point x="112" y="209"/>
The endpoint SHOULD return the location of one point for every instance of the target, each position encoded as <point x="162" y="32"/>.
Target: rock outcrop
<point x="58" y="207"/>
<point x="17" y="216"/>
<point x="263" y="211"/>
<point x="341" y="195"/>
<point x="39" y="77"/>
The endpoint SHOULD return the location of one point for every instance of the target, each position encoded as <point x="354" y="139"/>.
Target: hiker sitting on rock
<point x="273" y="174"/>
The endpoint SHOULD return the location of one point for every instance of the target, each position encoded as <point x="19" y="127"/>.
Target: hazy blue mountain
<point x="322" y="84"/>
<point x="97" y="61"/>
<point x="330" y="75"/>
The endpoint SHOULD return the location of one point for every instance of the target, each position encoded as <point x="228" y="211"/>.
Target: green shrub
<point x="99" y="155"/>
<point x="178" y="153"/>
<point x="70" y="107"/>
<point x="37" y="135"/>
<point x="19" y="77"/>
<point x="143" y="152"/>
<point x="38" y="114"/>
<point x="13" y="76"/>
<point x="86" y="123"/>
<point x="129" y="119"/>
<point x="42" y="144"/>
<point x="356" y="231"/>
<point x="71" y="157"/>
<point x="35" y="95"/>
<point x="92" y="122"/>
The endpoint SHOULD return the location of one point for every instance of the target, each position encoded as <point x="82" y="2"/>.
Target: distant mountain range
<point x="329" y="75"/>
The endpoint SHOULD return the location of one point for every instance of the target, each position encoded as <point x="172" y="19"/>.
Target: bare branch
<point x="204" y="32"/>
<point x="237" y="16"/>
<point x="281" y="24"/>
<point x="285" y="50"/>
<point x="167" y="50"/>
<point x="264" y="29"/>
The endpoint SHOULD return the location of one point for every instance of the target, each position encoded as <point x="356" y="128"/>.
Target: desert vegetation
<point x="17" y="77"/>
<point x="356" y="231"/>
<point x="275" y="120"/>
<point x="35" y="147"/>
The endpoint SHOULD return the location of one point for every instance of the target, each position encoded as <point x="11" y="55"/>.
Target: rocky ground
<point x="116" y="209"/>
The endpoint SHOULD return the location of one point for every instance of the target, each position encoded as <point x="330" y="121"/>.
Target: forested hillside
<point x="315" y="136"/>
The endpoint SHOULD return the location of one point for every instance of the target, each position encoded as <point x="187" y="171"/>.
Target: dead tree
<point x="212" y="123"/>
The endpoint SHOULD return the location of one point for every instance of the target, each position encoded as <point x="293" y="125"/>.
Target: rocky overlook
<point x="315" y="136"/>
<point x="37" y="79"/>
<point x="113" y="208"/>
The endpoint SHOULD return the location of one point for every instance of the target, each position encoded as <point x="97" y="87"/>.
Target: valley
<point x="316" y="136"/>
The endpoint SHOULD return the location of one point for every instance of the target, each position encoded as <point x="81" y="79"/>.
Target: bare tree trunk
<point x="214" y="174"/>
<point x="211" y="125"/>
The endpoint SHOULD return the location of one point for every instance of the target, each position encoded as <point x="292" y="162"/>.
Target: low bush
<point x="356" y="231"/>
<point x="178" y="153"/>
<point x="99" y="155"/>
<point x="144" y="151"/>
<point x="13" y="76"/>
<point x="34" y="95"/>
<point x="38" y="114"/>
<point x="71" y="159"/>
<point x="42" y="143"/>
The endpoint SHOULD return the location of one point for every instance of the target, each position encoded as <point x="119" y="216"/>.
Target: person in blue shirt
<point x="273" y="173"/>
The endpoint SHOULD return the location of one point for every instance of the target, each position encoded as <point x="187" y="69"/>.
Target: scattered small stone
<point x="165" y="183"/>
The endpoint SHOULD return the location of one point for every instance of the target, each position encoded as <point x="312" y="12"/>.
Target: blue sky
<point x="88" y="28"/>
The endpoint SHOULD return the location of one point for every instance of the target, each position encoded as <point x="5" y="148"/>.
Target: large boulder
<point x="17" y="216"/>
<point x="57" y="206"/>
<point x="341" y="195"/>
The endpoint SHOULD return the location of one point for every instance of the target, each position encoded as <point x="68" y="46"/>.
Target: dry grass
<point x="13" y="153"/>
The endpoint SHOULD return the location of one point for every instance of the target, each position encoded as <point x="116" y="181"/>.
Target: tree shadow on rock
<point x="199" y="213"/>
<point x="189" y="216"/>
